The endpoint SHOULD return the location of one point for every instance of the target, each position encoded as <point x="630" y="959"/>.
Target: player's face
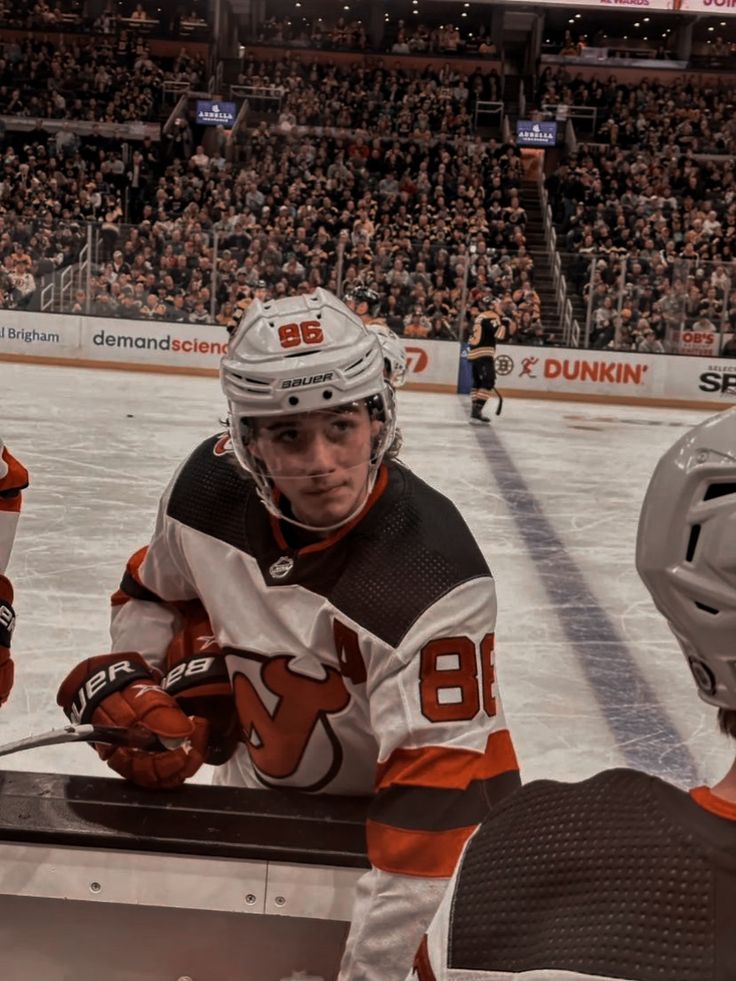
<point x="319" y="460"/>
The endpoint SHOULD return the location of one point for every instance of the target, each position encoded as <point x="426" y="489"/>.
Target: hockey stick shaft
<point x="499" y="407"/>
<point x="110" y="735"/>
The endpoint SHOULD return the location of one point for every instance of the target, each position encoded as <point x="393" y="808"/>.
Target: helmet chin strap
<point x="272" y="507"/>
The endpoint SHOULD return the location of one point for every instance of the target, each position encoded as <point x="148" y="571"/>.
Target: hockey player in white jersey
<point x="394" y="355"/>
<point x="13" y="481"/>
<point x="622" y="876"/>
<point x="340" y="604"/>
<point x="364" y="302"/>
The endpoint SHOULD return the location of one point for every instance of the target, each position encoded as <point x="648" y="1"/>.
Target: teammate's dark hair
<point x="727" y="722"/>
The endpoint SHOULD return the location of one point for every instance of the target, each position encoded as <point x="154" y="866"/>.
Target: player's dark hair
<point x="727" y="722"/>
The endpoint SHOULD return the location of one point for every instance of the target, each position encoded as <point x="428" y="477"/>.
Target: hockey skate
<point x="476" y="414"/>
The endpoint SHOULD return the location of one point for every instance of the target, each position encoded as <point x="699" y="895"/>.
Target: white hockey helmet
<point x="303" y="353"/>
<point x="686" y="551"/>
<point x="394" y="355"/>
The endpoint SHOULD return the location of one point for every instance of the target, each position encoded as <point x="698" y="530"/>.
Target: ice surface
<point x="590" y="675"/>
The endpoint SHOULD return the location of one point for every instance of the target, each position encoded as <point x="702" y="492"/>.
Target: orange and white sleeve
<point x="13" y="481"/>
<point x="445" y="758"/>
<point x="146" y="608"/>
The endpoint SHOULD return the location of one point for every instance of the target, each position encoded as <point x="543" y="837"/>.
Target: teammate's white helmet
<point x="299" y="354"/>
<point x="394" y="355"/>
<point x="686" y="551"/>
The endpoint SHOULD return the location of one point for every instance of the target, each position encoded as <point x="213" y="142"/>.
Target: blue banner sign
<point x="529" y="133"/>
<point x="215" y="113"/>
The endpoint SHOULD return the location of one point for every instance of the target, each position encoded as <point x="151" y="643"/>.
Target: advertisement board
<point x="609" y="375"/>
<point x="698" y="342"/>
<point x="173" y="347"/>
<point x="211" y="113"/>
<point x="432" y="365"/>
<point x="530" y="133"/>
<point x="727" y="7"/>
<point x="39" y="336"/>
<point x="154" y="344"/>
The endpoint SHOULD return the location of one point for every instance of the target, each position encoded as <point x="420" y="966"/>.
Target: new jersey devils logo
<point x="285" y="719"/>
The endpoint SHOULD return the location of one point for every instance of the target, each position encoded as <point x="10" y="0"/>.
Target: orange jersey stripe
<point x="716" y="805"/>
<point x="432" y="854"/>
<point x="11" y="505"/>
<point x="16" y="479"/>
<point x="132" y="568"/>
<point x="422" y="964"/>
<point x="446" y="767"/>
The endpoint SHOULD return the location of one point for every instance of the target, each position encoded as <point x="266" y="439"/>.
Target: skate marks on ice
<point x="575" y="499"/>
<point x="101" y="446"/>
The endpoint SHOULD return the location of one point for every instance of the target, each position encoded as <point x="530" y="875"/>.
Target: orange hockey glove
<point x="197" y="678"/>
<point x="7" y="623"/>
<point x="123" y="690"/>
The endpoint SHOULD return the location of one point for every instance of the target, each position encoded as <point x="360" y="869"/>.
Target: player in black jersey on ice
<point x="481" y="355"/>
<point x="622" y="876"/>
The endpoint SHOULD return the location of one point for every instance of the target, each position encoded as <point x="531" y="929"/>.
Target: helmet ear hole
<point x="692" y="543"/>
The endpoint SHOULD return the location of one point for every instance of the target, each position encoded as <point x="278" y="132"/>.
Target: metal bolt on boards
<point x="95" y="887"/>
<point x="250" y="899"/>
<point x="280" y="901"/>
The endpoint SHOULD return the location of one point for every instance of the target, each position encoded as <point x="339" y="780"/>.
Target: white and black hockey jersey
<point x="360" y="664"/>
<point x="622" y="876"/>
<point x="13" y="481"/>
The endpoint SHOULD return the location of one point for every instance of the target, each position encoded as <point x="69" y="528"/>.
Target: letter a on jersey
<point x="285" y="719"/>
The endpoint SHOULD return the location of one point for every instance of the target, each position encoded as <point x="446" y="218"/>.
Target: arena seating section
<point x="359" y="174"/>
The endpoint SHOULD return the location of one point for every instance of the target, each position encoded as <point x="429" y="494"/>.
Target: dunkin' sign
<point x="584" y="371"/>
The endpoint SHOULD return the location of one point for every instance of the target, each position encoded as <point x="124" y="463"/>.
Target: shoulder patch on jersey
<point x="411" y="550"/>
<point x="212" y="494"/>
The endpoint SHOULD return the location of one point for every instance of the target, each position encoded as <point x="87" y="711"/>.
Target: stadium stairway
<point x="536" y="246"/>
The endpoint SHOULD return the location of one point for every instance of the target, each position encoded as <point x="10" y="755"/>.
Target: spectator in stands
<point x="648" y="342"/>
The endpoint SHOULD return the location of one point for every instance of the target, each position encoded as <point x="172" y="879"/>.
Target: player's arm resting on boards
<point x="445" y="758"/>
<point x="13" y="481"/>
<point x="158" y="678"/>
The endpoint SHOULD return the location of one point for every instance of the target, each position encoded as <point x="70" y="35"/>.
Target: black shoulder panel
<point x="211" y="495"/>
<point x="601" y="878"/>
<point x="410" y="551"/>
